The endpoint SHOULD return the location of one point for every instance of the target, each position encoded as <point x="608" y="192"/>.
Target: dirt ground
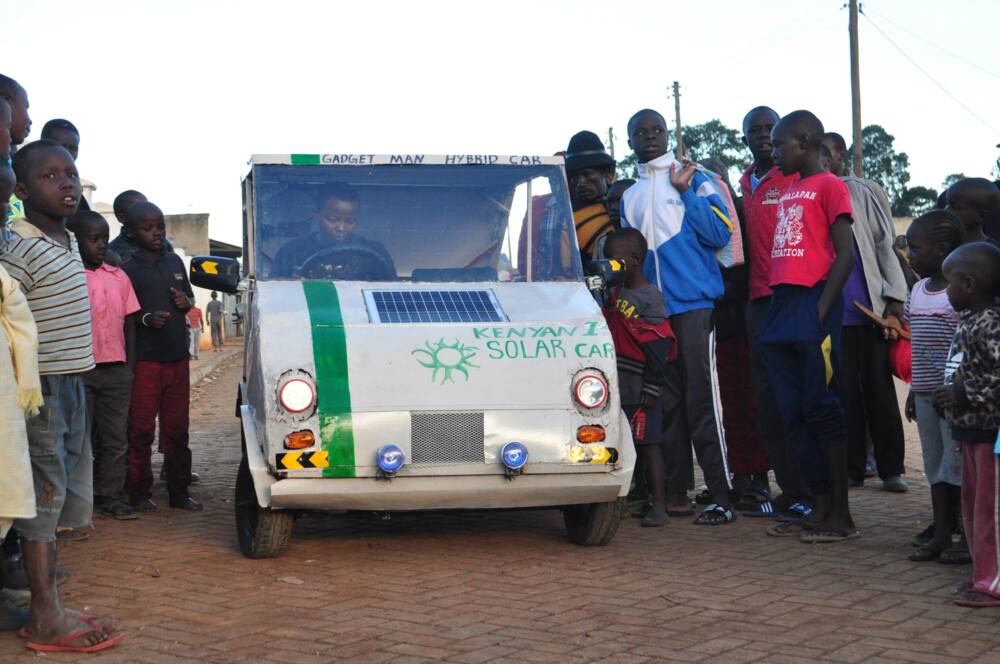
<point x="509" y="586"/>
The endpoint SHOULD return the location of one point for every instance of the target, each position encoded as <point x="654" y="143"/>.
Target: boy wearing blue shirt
<point x="683" y="217"/>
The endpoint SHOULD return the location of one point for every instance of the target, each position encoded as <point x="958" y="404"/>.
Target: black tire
<point x="594" y="524"/>
<point x="263" y="533"/>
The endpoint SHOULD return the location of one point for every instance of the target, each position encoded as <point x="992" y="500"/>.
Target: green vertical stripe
<point x="308" y="159"/>
<point x="333" y="388"/>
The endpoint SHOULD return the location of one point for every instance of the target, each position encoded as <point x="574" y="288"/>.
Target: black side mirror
<point x="215" y="273"/>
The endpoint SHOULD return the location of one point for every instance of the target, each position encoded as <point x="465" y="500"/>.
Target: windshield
<point x="444" y="223"/>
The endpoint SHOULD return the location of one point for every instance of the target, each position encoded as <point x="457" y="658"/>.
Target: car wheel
<point x="263" y="533"/>
<point x="593" y="524"/>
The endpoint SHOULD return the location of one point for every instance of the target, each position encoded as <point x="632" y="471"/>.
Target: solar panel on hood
<point x="433" y="306"/>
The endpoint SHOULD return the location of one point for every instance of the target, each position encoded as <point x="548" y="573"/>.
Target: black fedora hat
<point x="587" y="151"/>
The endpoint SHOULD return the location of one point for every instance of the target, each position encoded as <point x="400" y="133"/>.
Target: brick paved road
<point x="509" y="587"/>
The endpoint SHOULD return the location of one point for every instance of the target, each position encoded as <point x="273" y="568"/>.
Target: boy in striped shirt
<point x="43" y="258"/>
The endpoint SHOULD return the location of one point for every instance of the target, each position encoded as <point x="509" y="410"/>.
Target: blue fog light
<point x="389" y="458"/>
<point x="514" y="455"/>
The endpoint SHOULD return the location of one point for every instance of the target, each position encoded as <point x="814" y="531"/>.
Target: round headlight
<point x="389" y="458"/>
<point x="297" y="395"/>
<point x="590" y="390"/>
<point x="514" y="455"/>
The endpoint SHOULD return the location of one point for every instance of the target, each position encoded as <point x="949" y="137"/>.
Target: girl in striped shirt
<point x="933" y="322"/>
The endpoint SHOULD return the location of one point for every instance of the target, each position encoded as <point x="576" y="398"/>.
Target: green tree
<point x="628" y="168"/>
<point x="916" y="201"/>
<point x="886" y="166"/>
<point x="952" y="179"/>
<point x="714" y="139"/>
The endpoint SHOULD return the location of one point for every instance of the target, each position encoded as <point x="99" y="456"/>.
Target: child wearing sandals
<point x="20" y="396"/>
<point x="933" y="322"/>
<point x="811" y="259"/>
<point x="644" y="343"/>
<point x="970" y="401"/>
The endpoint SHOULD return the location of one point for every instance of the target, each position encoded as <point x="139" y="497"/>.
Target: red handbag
<point x="900" y="359"/>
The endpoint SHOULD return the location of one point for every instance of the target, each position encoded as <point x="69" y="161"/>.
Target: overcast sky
<point x="171" y="97"/>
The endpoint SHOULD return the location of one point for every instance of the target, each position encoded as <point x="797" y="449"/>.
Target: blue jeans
<point x="62" y="463"/>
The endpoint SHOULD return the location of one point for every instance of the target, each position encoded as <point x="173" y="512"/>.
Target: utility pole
<point x="852" y="27"/>
<point x="611" y="142"/>
<point x="679" y="148"/>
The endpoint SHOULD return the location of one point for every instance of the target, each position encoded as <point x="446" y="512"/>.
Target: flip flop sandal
<point x="752" y="496"/>
<point x="727" y="516"/>
<point x="653" y="520"/>
<point x="788" y="529"/>
<point x="795" y="511"/>
<point x="119" y="511"/>
<point x="764" y="510"/>
<point x="955" y="555"/>
<point x="63" y="644"/>
<point x="92" y="620"/>
<point x="828" y="536"/>
<point x="975" y="599"/>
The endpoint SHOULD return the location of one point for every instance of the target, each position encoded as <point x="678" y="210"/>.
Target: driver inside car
<point x="334" y="250"/>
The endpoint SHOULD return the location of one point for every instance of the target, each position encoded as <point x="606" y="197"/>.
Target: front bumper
<point x="450" y="492"/>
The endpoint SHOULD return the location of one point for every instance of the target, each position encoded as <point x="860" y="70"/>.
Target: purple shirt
<point x="856" y="290"/>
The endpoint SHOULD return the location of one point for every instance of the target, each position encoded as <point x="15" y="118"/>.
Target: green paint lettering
<point x="494" y="350"/>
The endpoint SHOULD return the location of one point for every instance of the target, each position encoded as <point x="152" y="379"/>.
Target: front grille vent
<point x="446" y="437"/>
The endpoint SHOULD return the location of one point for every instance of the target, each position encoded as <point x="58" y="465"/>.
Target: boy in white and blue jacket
<point x="684" y="219"/>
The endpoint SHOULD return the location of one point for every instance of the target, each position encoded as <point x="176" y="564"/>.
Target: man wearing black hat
<point x="590" y="170"/>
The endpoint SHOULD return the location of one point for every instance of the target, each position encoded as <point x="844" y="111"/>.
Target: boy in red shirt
<point x="109" y="384"/>
<point x="811" y="257"/>
<point x="761" y="186"/>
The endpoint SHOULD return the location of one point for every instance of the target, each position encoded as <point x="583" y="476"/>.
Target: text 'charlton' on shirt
<point x="152" y="281"/>
<point x="802" y="252"/>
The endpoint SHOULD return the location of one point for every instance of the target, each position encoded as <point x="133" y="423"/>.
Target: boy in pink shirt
<point x="109" y="384"/>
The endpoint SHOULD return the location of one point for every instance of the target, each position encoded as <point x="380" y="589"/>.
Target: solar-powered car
<point x="419" y="337"/>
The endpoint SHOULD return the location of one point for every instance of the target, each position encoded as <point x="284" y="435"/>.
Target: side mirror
<point x="215" y="273"/>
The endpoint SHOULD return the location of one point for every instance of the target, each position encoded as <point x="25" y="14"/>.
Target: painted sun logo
<point x="446" y="359"/>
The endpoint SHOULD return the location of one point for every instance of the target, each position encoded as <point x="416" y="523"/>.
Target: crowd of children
<point x="98" y="344"/>
<point x="99" y="338"/>
<point x="812" y="325"/>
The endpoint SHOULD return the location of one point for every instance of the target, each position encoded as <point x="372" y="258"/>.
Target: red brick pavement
<point x="509" y="587"/>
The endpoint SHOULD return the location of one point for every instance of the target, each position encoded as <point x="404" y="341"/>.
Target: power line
<point x="929" y="42"/>
<point x="798" y="25"/>
<point x="929" y="77"/>
<point x="799" y="29"/>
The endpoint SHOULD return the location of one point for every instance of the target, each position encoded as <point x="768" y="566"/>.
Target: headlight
<point x="590" y="390"/>
<point x="297" y="395"/>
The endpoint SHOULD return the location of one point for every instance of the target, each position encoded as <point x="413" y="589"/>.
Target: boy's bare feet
<point x="679" y="505"/>
<point x="145" y="505"/>
<point x="52" y="627"/>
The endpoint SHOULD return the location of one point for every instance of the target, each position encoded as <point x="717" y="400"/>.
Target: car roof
<point x="344" y="159"/>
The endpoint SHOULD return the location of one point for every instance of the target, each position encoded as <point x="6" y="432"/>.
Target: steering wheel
<point x="347" y="262"/>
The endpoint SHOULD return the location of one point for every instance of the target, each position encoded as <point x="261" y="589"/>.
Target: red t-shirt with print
<point x="802" y="253"/>
<point x="760" y="207"/>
